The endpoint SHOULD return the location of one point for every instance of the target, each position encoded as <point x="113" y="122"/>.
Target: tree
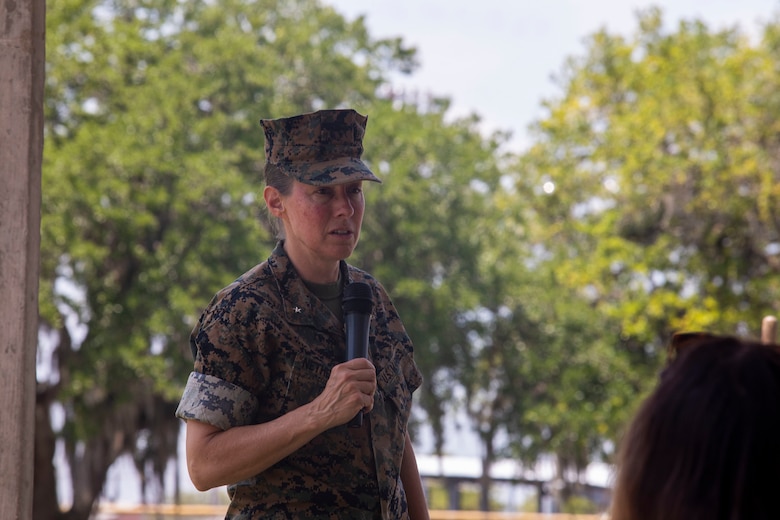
<point x="445" y="236"/>
<point x="652" y="190"/>
<point x="151" y="193"/>
<point x="425" y="232"/>
<point x="647" y="204"/>
<point x="542" y="377"/>
<point x="663" y="157"/>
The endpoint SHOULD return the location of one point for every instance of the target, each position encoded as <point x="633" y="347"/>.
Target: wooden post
<point x="768" y="329"/>
<point x="22" y="55"/>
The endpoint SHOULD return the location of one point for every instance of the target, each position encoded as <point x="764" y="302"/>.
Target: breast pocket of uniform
<point x="305" y="379"/>
<point x="395" y="383"/>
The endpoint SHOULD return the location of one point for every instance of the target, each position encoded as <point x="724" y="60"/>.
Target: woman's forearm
<point x="410" y="477"/>
<point x="216" y="457"/>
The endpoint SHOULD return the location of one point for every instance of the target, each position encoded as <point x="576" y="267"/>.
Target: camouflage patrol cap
<point x="318" y="148"/>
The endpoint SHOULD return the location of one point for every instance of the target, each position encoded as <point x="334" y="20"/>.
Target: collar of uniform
<point x="301" y="306"/>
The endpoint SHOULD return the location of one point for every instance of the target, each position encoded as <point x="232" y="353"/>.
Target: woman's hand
<point x="216" y="457"/>
<point x="350" y="389"/>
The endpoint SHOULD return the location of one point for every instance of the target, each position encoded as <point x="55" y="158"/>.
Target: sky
<point x="497" y="58"/>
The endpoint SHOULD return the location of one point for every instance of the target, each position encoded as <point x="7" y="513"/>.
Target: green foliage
<point x="152" y="194"/>
<point x="437" y="495"/>
<point x="425" y="231"/>
<point x="438" y="498"/>
<point x="539" y="290"/>
<point x="651" y="190"/>
<point x="578" y="505"/>
<point x="661" y="156"/>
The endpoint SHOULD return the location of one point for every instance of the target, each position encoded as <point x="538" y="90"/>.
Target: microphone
<point x="357" y="304"/>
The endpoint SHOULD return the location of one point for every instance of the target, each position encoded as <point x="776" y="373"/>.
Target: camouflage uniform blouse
<point x="264" y="346"/>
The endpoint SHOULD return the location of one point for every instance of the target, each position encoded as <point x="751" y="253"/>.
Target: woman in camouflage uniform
<point x="268" y="402"/>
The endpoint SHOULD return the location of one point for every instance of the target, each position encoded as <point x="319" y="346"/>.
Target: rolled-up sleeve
<point x="215" y="401"/>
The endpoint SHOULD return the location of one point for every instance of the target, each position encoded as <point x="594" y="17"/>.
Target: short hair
<point x="706" y="443"/>
<point x="275" y="178"/>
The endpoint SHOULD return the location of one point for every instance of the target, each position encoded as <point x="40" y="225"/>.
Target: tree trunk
<point x="89" y="464"/>
<point x="90" y="460"/>
<point x="486" y="482"/>
<point x="45" y="502"/>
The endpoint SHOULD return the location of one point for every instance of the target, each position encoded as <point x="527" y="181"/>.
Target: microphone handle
<point x="357" y="347"/>
<point x="357" y="421"/>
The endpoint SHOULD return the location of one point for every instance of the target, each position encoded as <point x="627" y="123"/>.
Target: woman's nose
<point x="344" y="205"/>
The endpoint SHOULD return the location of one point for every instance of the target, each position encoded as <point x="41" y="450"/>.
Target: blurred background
<point x="565" y="185"/>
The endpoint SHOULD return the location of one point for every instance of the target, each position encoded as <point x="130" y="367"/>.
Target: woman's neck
<point x="314" y="270"/>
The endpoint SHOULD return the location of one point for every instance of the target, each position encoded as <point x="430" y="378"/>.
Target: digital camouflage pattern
<point x="318" y="148"/>
<point x="265" y="346"/>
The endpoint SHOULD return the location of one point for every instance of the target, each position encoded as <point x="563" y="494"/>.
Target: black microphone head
<point x="357" y="298"/>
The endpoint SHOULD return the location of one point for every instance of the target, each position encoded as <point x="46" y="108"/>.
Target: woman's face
<point x="321" y="225"/>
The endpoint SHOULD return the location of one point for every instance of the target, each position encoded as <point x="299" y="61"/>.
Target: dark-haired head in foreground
<point x="705" y="445"/>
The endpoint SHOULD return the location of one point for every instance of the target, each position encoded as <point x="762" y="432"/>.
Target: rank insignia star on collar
<point x="298" y="310"/>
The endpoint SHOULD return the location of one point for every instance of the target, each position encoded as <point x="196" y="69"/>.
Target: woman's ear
<point x="273" y="200"/>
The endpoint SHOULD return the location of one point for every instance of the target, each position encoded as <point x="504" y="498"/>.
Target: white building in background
<point x="513" y="483"/>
